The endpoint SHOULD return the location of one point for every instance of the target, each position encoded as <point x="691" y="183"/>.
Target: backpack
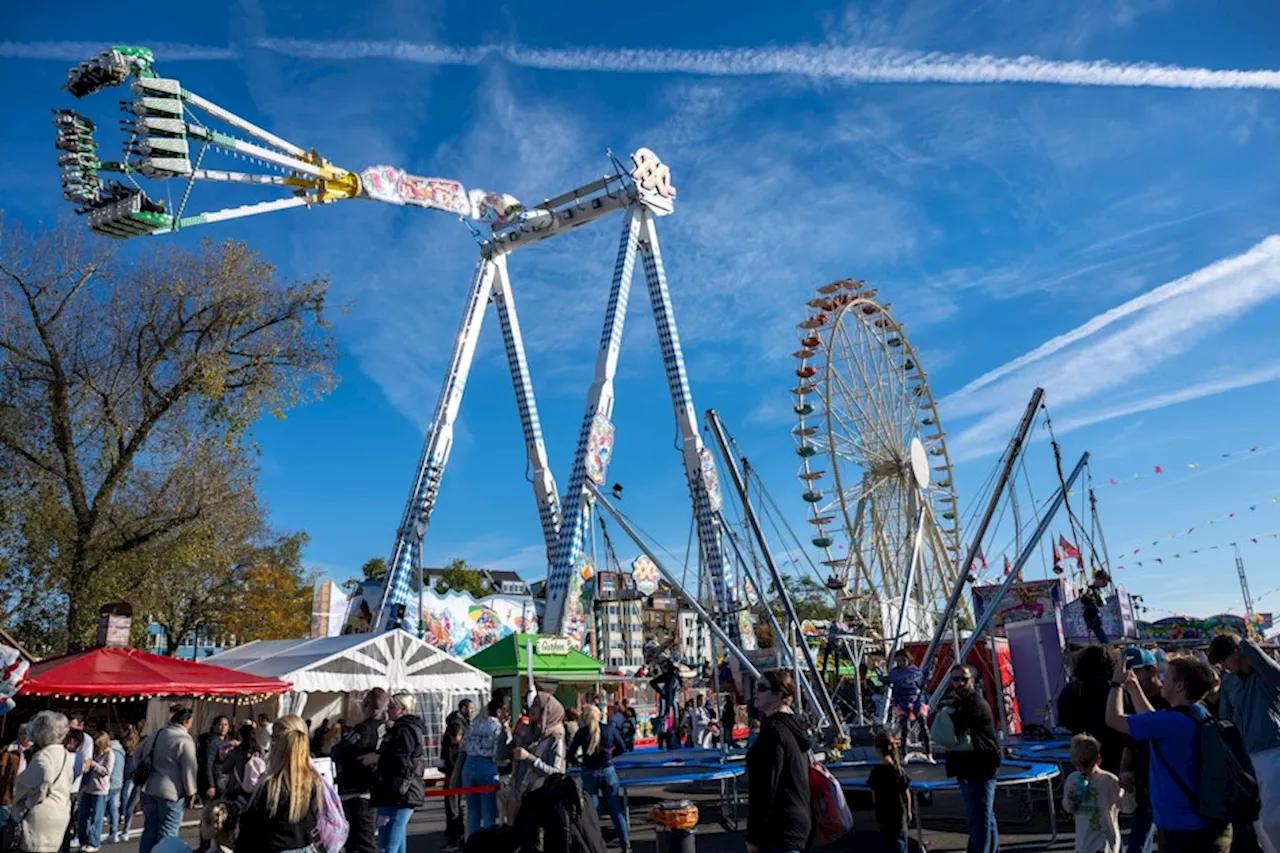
<point x="943" y="733"/>
<point x="628" y="727"/>
<point x="1227" y="790"/>
<point x="831" y="815"/>
<point x="331" y="821"/>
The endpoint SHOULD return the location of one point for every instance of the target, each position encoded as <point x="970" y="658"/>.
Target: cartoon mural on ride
<point x="456" y="622"/>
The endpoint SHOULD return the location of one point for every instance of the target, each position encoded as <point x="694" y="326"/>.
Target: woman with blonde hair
<point x="599" y="743"/>
<point x="282" y="814"/>
<point x="400" y="783"/>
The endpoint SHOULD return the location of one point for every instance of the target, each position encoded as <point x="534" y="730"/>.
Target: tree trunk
<point x="80" y="628"/>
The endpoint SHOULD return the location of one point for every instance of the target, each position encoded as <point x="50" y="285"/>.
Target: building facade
<point x="619" y="618"/>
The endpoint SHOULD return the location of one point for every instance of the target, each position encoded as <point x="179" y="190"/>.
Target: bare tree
<point x="120" y="381"/>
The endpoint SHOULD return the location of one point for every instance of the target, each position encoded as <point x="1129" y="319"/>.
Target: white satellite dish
<point x="920" y="463"/>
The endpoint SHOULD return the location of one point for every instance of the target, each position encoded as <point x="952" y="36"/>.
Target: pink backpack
<point x="831" y="815"/>
<point x="331" y="822"/>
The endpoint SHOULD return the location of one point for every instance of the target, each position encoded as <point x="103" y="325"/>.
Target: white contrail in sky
<point x="826" y="62"/>
<point x="78" y="51"/>
<point x="851" y="64"/>
<point x="1265" y="254"/>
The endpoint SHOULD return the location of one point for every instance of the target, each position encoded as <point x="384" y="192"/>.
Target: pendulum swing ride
<point x="167" y="138"/>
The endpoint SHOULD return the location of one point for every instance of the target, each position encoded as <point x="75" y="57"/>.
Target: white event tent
<point x="330" y="675"/>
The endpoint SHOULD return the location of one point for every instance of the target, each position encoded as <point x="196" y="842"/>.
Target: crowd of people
<point x="258" y="782"/>
<point x="1192" y="752"/>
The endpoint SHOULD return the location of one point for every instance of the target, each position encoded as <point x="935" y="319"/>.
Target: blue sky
<point x="1003" y="220"/>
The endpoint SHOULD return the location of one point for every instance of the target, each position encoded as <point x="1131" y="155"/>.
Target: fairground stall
<point x="551" y="663"/>
<point x="330" y="676"/>
<point x="125" y="685"/>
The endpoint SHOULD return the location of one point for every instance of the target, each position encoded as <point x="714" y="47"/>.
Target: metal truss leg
<point x="544" y="485"/>
<point x="407" y="556"/>
<point x="699" y="466"/>
<point x="564" y="612"/>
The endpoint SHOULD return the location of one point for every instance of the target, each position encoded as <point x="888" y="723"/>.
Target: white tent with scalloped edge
<point x="330" y="675"/>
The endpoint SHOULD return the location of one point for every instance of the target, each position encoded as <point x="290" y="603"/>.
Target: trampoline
<point x="933" y="777"/>
<point x="660" y="776"/>
<point x="674" y="757"/>
<point x="1058" y="753"/>
<point x="1024" y="745"/>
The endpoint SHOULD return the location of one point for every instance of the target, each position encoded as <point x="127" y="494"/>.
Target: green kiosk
<point x="549" y="662"/>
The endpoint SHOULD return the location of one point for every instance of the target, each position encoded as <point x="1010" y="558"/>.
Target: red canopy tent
<point x="121" y="674"/>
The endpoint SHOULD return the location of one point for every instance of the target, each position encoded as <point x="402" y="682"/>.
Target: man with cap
<point x="1135" y="762"/>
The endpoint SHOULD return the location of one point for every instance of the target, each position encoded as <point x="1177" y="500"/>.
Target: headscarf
<point x="552" y="720"/>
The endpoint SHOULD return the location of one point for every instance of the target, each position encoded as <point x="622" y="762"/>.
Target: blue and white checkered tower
<point x="644" y="194"/>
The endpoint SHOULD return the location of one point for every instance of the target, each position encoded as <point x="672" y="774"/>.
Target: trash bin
<point x="677" y="822"/>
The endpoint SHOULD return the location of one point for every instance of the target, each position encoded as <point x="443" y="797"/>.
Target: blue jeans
<point x="160" y="819"/>
<point x="604" y="783"/>
<point x="1141" y="831"/>
<point x="895" y="840"/>
<point x="115" y="805"/>
<point x="980" y="815"/>
<point x="482" y="809"/>
<point x="393" y="825"/>
<point x="89" y="820"/>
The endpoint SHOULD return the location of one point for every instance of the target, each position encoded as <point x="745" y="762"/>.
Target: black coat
<point x="554" y="819"/>
<point x="971" y="713"/>
<point x="400" y="780"/>
<point x="778" y="806"/>
<point x="358" y="741"/>
<point x="207" y="750"/>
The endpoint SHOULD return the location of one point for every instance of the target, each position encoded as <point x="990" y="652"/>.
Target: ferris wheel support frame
<point x="912" y="568"/>
<point x="1012" y="453"/>
<point x="1059" y="498"/>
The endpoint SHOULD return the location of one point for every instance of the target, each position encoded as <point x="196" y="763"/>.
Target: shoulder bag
<point x="12" y="833"/>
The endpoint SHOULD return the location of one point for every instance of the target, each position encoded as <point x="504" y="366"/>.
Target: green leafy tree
<point x="119" y="381"/>
<point x="811" y="599"/>
<point x="374" y="569"/>
<point x="457" y="576"/>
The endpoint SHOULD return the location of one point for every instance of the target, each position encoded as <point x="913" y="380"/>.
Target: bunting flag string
<point x="1160" y="560"/>
<point x="1272" y="501"/>
<point x="1158" y="470"/>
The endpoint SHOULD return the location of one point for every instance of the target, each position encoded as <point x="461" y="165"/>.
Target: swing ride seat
<point x="131" y="216"/>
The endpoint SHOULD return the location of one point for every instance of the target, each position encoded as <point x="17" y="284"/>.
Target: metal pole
<point x="1059" y="497"/>
<point x="962" y="573"/>
<point x="675" y="585"/>
<point x="717" y="431"/>
<point x="902" y="606"/>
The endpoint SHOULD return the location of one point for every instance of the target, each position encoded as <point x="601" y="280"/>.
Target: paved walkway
<point x="1023" y="820"/>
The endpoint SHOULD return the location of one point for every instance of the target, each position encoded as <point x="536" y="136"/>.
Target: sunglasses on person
<point x="763" y="687"/>
<point x="962" y="679"/>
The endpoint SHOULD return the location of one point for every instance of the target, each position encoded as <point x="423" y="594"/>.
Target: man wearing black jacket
<point x="975" y="769"/>
<point x="356" y="757"/>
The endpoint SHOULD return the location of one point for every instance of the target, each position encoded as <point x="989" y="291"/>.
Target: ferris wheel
<point x="874" y="463"/>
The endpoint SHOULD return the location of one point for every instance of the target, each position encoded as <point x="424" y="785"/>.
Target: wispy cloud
<point x="838" y="63"/>
<point x="1198" y="391"/>
<point x="1165" y="323"/>
<point x="78" y="51"/>
<point x="1264" y="256"/>
<point x="848" y="64"/>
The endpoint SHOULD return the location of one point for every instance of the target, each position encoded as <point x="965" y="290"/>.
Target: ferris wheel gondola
<point x="873" y="459"/>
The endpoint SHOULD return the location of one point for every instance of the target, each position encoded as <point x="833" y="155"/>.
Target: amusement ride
<point x="876" y="473"/>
